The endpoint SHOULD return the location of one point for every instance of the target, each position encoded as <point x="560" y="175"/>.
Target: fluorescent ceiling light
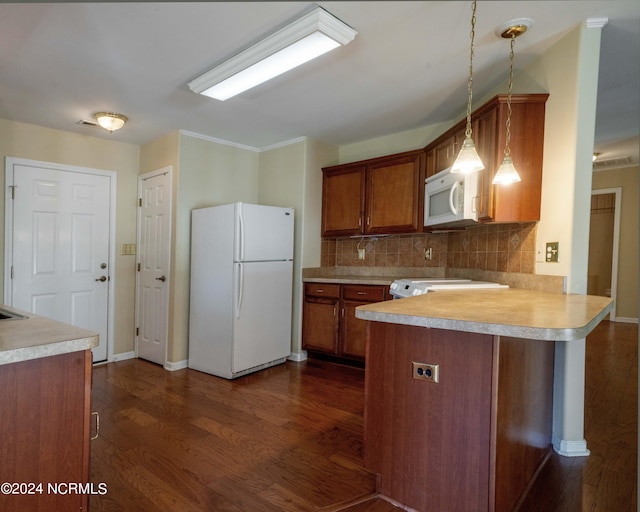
<point x="306" y="38"/>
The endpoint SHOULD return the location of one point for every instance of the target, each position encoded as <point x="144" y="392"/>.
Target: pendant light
<point x="468" y="160"/>
<point x="507" y="172"/>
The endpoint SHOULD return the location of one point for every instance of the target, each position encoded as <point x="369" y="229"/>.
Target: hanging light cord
<point x="470" y="85"/>
<point x="507" y="149"/>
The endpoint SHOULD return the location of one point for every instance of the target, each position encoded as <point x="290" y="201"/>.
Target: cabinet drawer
<point x="364" y="292"/>
<point x="322" y="290"/>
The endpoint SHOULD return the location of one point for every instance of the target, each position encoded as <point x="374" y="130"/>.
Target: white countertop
<point x="35" y="337"/>
<point x="505" y="312"/>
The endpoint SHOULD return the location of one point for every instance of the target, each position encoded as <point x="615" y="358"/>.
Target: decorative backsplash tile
<point x="493" y="247"/>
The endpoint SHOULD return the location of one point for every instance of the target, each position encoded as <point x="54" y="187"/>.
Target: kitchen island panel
<point x="430" y="442"/>
<point x="472" y="441"/>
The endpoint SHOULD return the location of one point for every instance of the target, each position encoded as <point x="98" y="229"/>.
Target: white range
<point x="401" y="288"/>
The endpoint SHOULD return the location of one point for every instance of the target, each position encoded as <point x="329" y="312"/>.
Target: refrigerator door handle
<point x="240" y="235"/>
<point x="240" y="287"/>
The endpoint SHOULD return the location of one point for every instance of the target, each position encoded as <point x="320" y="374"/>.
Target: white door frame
<point x="141" y="178"/>
<point x="616" y="242"/>
<point x="10" y="162"/>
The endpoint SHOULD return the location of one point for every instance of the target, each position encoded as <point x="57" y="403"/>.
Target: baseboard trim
<point x="298" y="357"/>
<point x="178" y="365"/>
<point x="123" y="356"/>
<point x="626" y="320"/>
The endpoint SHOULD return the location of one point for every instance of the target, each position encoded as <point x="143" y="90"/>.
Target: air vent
<point x="612" y="163"/>
<point x="84" y="122"/>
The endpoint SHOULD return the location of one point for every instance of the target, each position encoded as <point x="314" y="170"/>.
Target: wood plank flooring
<point x="290" y="439"/>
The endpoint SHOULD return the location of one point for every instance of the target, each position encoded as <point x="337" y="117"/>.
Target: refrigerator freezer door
<point x="263" y="233"/>
<point x="262" y="318"/>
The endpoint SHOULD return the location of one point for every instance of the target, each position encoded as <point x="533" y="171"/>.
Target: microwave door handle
<point x="454" y="190"/>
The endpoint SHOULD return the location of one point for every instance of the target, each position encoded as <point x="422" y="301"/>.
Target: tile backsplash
<point x="493" y="247"/>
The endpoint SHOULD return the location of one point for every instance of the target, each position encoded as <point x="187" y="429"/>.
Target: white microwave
<point x="450" y="199"/>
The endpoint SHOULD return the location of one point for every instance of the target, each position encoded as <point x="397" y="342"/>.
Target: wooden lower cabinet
<point x="472" y="441"/>
<point x="45" y="430"/>
<point x="329" y="324"/>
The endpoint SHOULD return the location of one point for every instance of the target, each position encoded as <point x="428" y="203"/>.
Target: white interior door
<point x="154" y="243"/>
<point x="58" y="244"/>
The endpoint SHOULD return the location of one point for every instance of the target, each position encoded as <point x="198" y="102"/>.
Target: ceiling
<point x="406" y="68"/>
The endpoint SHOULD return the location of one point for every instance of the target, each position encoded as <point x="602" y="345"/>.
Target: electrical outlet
<point x="428" y="253"/>
<point x="552" y="252"/>
<point x="361" y="253"/>
<point x="425" y="371"/>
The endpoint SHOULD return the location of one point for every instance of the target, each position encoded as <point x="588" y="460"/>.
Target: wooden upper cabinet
<point x="446" y="151"/>
<point x="343" y="189"/>
<point x="395" y="194"/>
<point x="518" y="202"/>
<point x="378" y="196"/>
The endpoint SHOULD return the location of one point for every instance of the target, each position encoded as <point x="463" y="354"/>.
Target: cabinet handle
<point x="97" y="415"/>
<point x="360" y="222"/>
<point x="342" y="312"/>
<point x="319" y="290"/>
<point x="334" y="311"/>
<point x="368" y="221"/>
<point x="362" y="293"/>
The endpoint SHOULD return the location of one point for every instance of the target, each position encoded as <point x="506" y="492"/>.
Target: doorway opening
<point x="604" y="232"/>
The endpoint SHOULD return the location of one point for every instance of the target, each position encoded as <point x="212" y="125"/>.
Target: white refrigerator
<point x="241" y="288"/>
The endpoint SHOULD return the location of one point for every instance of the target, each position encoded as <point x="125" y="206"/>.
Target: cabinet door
<point x="320" y="324"/>
<point x="343" y="200"/>
<point x="395" y="194"/>
<point x="520" y="202"/>
<point x="484" y="135"/>
<point x="446" y="151"/>
<point x="353" y="335"/>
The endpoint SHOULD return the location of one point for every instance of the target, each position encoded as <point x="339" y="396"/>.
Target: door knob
<point x="102" y="278"/>
<point x="161" y="278"/>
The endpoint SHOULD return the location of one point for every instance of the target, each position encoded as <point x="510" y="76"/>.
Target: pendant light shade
<point x="506" y="173"/>
<point x="468" y="160"/>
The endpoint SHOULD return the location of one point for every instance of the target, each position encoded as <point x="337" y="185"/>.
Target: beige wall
<point x="22" y="140"/>
<point x="627" y="285"/>
<point x="291" y="175"/>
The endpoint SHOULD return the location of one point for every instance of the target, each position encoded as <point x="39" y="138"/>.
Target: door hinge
<point x="140" y="202"/>
<point x="11" y="271"/>
<point x="13" y="191"/>
<point x="138" y="267"/>
<point x="137" y="331"/>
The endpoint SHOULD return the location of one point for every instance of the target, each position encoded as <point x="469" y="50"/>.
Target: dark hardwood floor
<point x="290" y="439"/>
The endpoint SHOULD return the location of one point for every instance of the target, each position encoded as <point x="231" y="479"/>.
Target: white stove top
<point x="412" y="287"/>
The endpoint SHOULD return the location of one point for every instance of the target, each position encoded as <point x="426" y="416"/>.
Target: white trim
<point x="571" y="448"/>
<point x="123" y="356"/>
<point x="141" y="178"/>
<point x="298" y="357"/>
<point x="10" y="162"/>
<point x="277" y="145"/>
<point x="282" y="144"/>
<point x="626" y="320"/>
<point x="179" y="365"/>
<point x="617" y="191"/>
<point x="596" y="22"/>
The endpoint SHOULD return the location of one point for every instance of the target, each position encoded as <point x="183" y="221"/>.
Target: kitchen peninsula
<point x="45" y="384"/>
<point x="468" y="427"/>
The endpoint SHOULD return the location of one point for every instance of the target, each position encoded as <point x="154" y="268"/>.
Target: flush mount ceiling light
<point x="507" y="172"/>
<point x="110" y="120"/>
<point x="468" y="160"/>
<point x="306" y="38"/>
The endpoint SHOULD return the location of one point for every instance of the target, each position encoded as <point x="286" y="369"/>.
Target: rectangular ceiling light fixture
<point x="306" y="38"/>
